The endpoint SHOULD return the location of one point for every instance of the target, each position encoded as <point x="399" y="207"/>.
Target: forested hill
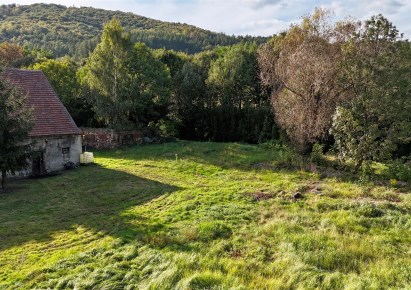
<point x="75" y="31"/>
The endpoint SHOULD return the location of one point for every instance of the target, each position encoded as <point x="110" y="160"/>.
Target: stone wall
<point x="58" y="150"/>
<point x="101" y="138"/>
<point x="51" y="153"/>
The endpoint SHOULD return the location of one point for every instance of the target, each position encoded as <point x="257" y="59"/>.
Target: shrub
<point x="398" y="169"/>
<point x="317" y="155"/>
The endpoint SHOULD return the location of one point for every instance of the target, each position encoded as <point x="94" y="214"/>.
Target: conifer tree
<point x="15" y="124"/>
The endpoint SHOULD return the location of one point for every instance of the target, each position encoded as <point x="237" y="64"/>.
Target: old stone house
<point x="55" y="137"/>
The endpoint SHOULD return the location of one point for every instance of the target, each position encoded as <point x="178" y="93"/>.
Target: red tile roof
<point x="50" y="115"/>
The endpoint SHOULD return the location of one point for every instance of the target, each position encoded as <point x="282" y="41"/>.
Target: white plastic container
<point x="86" y="158"/>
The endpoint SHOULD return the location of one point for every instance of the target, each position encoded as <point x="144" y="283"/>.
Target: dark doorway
<point x="38" y="168"/>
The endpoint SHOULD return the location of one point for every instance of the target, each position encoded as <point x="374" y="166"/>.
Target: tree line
<point x="214" y="95"/>
<point x="345" y="86"/>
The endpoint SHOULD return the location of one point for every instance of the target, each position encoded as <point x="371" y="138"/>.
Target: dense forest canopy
<point x="75" y="31"/>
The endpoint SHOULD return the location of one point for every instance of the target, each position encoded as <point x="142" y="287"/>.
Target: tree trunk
<point x="3" y="180"/>
<point x="358" y="165"/>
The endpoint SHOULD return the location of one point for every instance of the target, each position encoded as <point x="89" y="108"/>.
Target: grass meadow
<point x="190" y="215"/>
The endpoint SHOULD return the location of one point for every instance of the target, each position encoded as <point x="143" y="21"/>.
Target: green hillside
<point x="75" y="31"/>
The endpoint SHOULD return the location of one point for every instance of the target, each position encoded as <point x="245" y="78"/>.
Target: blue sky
<point x="253" y="17"/>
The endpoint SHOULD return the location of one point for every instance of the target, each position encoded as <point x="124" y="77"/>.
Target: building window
<point x="66" y="154"/>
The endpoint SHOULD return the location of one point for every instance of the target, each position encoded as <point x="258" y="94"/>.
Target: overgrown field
<point x="204" y="216"/>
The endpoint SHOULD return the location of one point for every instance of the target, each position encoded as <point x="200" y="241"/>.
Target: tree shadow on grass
<point x="91" y="197"/>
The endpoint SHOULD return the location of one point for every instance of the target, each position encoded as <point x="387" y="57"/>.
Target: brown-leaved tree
<point x="302" y="68"/>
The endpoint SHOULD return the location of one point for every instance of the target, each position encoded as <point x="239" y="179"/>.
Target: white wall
<point x="52" y="147"/>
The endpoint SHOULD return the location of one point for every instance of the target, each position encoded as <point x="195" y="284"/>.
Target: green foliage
<point x="151" y="85"/>
<point x="62" y="76"/>
<point x="376" y="117"/>
<point x="129" y="87"/>
<point x="189" y="94"/>
<point x="400" y="170"/>
<point x="352" y="140"/>
<point x="165" y="127"/>
<point x="250" y="124"/>
<point x="61" y="73"/>
<point x="233" y="77"/>
<point x="238" y="107"/>
<point x="217" y="95"/>
<point x="366" y="172"/>
<point x="108" y="75"/>
<point x="317" y="154"/>
<point x="15" y="124"/>
<point x="75" y="31"/>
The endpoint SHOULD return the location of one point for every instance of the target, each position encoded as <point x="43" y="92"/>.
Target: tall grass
<point x="193" y="215"/>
